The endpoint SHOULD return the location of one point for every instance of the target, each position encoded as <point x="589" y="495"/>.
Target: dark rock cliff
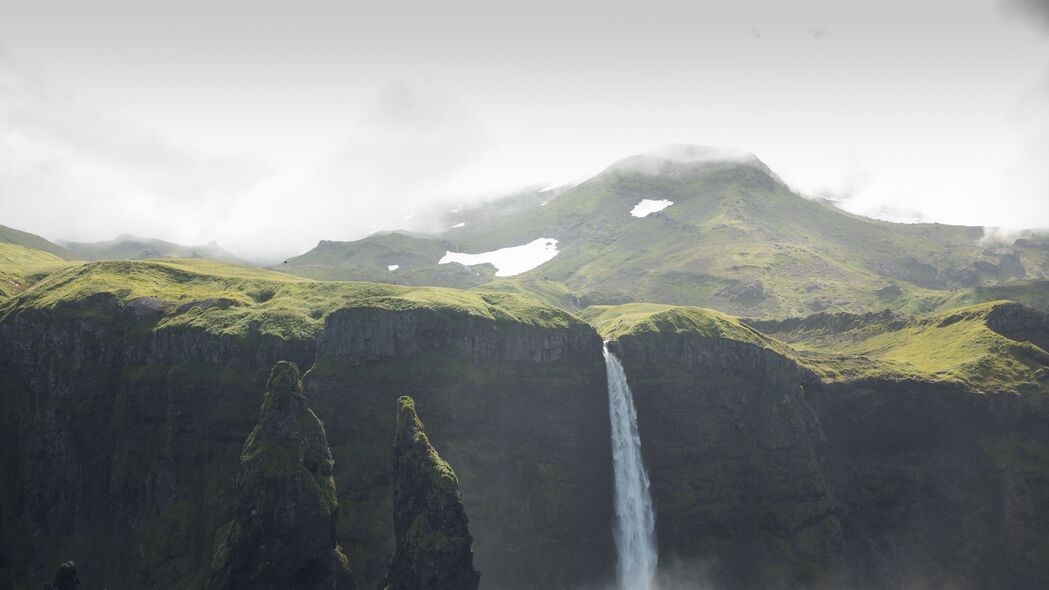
<point x="433" y="548"/>
<point x="939" y="486"/>
<point x="111" y="431"/>
<point x="115" y="427"/>
<point x="521" y="413"/>
<point x="764" y="476"/>
<point x="732" y="448"/>
<point x="282" y="534"/>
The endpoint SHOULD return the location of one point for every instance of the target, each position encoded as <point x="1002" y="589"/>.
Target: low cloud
<point x="67" y="171"/>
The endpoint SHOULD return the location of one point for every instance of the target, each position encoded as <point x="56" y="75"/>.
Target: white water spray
<point x="635" y="526"/>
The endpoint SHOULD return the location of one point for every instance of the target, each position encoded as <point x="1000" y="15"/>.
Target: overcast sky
<point x="270" y="125"/>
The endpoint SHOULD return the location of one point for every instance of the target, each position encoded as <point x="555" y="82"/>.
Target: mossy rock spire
<point x="282" y="534"/>
<point x="433" y="548"/>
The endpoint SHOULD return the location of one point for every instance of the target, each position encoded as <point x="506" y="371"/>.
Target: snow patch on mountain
<point x="393" y="267"/>
<point x="509" y="261"/>
<point x="646" y="207"/>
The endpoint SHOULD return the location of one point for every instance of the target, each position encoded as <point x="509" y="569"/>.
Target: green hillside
<point x="228" y="299"/>
<point x="17" y="237"/>
<point x="991" y="346"/>
<point x="21" y="266"/>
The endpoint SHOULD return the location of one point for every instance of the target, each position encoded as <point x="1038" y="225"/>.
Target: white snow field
<point x="509" y="261"/>
<point x="645" y="207"/>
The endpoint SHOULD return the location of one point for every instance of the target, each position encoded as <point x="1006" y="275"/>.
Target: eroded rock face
<point x="433" y="541"/>
<point x="283" y="531"/>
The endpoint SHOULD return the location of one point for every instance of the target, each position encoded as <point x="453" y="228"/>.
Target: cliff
<point x="282" y="534"/>
<point x="906" y="465"/>
<point x="128" y="389"/>
<point x="519" y="409"/>
<point x="732" y="446"/>
<point x="430" y="526"/>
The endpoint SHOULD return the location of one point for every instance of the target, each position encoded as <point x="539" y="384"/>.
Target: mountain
<point x="10" y="235"/>
<point x="735" y="238"/>
<point x="129" y="247"/>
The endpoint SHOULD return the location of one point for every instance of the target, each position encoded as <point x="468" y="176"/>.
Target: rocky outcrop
<point x="433" y="550"/>
<point x="283" y="531"/>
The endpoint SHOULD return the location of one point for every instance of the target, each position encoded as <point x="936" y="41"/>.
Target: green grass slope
<point x="21" y="266"/>
<point x="223" y="298"/>
<point x="10" y="235"/>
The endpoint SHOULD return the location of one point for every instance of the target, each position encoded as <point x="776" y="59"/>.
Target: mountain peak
<point x="658" y="159"/>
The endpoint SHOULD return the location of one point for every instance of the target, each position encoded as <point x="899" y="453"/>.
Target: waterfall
<point x="635" y="526"/>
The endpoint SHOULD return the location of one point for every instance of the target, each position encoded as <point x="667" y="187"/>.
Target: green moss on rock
<point x="282" y="534"/>
<point x="433" y="541"/>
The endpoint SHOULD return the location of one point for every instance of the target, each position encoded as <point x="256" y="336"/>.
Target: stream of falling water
<point x="635" y="525"/>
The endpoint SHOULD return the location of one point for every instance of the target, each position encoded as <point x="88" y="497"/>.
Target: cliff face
<point x="115" y="425"/>
<point x="939" y="486"/>
<point x="765" y="476"/>
<point x="732" y="448"/>
<point x="114" y="432"/>
<point x="282" y="534"/>
<point x="520" y="412"/>
<point x="430" y="526"/>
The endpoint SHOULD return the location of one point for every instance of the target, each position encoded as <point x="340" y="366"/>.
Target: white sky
<point x="269" y="125"/>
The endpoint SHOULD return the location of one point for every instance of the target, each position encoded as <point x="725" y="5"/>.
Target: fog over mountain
<point x="269" y="127"/>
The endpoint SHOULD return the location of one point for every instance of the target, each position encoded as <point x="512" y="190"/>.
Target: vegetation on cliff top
<point x="956" y="345"/>
<point x="228" y="299"/>
<point x="614" y="321"/>
<point x="959" y="345"/>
